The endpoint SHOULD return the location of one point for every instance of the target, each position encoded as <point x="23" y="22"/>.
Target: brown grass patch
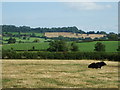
<point x="71" y="35"/>
<point x="58" y="74"/>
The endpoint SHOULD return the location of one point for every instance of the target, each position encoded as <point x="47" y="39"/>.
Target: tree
<point x="88" y="39"/>
<point x="20" y="41"/>
<point x="11" y="40"/>
<point x="58" y="46"/>
<point x="33" y="35"/>
<point x="118" y="48"/>
<point x="36" y="40"/>
<point x="99" y="47"/>
<point x="24" y="37"/>
<point x="33" y="48"/>
<point x="74" y="47"/>
<point x="102" y="32"/>
<point x="91" y="32"/>
<point x="112" y="36"/>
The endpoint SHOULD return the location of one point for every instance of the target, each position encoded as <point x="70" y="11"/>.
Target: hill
<point x="73" y="35"/>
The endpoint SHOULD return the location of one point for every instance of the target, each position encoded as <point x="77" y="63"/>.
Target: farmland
<point x="111" y="46"/>
<point x="58" y="74"/>
<point x="26" y="40"/>
<point x="26" y="46"/>
<point x="75" y="35"/>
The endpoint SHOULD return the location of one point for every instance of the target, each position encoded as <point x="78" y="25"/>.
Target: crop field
<point x="75" y="35"/>
<point x="58" y="74"/>
<point x="111" y="46"/>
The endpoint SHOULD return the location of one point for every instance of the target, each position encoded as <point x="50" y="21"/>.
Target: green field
<point x="26" y="46"/>
<point x="111" y="46"/>
<point x="27" y="33"/>
<point x="58" y="74"/>
<point x="28" y="39"/>
<point x="31" y="39"/>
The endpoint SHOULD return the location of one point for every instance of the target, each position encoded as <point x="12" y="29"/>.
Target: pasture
<point x="111" y="46"/>
<point x="28" y="40"/>
<point x="26" y="46"/>
<point x="58" y="74"/>
<point x="27" y="33"/>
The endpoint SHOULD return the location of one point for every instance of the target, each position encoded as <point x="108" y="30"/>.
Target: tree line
<point x="74" y="29"/>
<point x="11" y="28"/>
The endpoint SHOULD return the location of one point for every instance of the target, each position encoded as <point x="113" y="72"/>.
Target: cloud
<point x="87" y="6"/>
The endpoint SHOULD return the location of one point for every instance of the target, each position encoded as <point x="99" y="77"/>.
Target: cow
<point x="96" y="65"/>
<point x="101" y="63"/>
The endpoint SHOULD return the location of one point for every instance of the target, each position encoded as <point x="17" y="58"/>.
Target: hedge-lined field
<point x="30" y="40"/>
<point x="58" y="74"/>
<point x="111" y="46"/>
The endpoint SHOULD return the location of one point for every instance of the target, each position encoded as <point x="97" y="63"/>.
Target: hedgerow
<point x="60" y="55"/>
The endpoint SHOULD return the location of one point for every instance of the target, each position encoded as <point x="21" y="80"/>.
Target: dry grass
<point x="58" y="74"/>
<point x="72" y="35"/>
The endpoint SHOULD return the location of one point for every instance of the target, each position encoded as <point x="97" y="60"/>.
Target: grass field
<point x="27" y="46"/>
<point x="31" y="39"/>
<point x="111" y="46"/>
<point x="27" y="33"/>
<point x="58" y="74"/>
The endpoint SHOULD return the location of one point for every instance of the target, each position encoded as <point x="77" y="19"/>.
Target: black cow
<point x="101" y="63"/>
<point x="96" y="65"/>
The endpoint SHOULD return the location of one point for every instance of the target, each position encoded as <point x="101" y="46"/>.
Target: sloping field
<point x="58" y="74"/>
<point x="72" y="35"/>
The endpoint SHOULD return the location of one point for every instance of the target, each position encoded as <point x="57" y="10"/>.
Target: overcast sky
<point x="86" y="16"/>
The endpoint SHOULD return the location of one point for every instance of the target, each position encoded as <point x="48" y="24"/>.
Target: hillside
<point x="73" y="35"/>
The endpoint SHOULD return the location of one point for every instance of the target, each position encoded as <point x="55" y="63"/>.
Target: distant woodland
<point x="74" y="29"/>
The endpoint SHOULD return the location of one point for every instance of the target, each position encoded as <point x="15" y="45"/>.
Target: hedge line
<point x="60" y="55"/>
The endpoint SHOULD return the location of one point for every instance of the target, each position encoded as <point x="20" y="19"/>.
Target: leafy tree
<point x="28" y="38"/>
<point x="58" y="46"/>
<point x="91" y="32"/>
<point x="99" y="47"/>
<point x="11" y="40"/>
<point x="20" y="41"/>
<point x="33" y="48"/>
<point x="24" y="38"/>
<point x="74" y="47"/>
<point x="102" y="32"/>
<point x="118" y="48"/>
<point x="36" y="40"/>
<point x="33" y="35"/>
<point x="19" y="33"/>
<point x="112" y="36"/>
<point x="11" y="48"/>
<point x="88" y="39"/>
